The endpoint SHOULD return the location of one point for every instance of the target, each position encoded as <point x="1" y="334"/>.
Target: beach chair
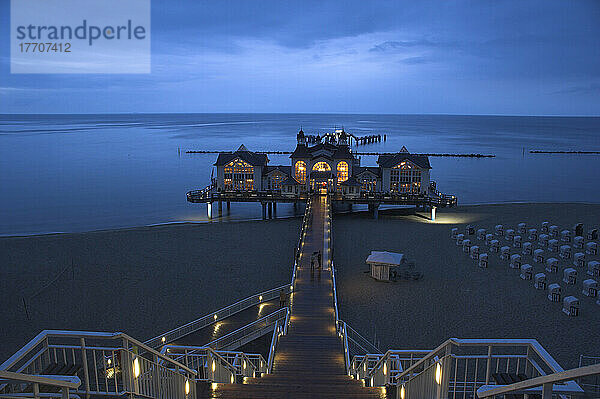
<point x="545" y="227"/>
<point x="499" y="229"/>
<point x="469" y="230"/>
<point x="578" y="229"/>
<point x="526" y="248"/>
<point x="565" y="251"/>
<point x="593" y="268"/>
<point x="466" y="246"/>
<point x="571" y="306"/>
<point x="515" y="261"/>
<point x="532" y="234"/>
<point x="459" y="239"/>
<point x="454" y="233"/>
<point x="578" y="242"/>
<point x="554" y="292"/>
<point x="579" y="260"/>
<point x="565" y="236"/>
<point x="591" y="248"/>
<point x="539" y="281"/>
<point x="552" y="265"/>
<point x="488" y="239"/>
<point x="475" y="252"/>
<point x="553" y="231"/>
<point x="538" y="256"/>
<point x="517" y="242"/>
<point x="543" y="240"/>
<point x="494" y="246"/>
<point x="510" y="233"/>
<point x="570" y="276"/>
<point x="483" y="261"/>
<point x="522" y="228"/>
<point x="481" y="234"/>
<point x="592" y="234"/>
<point x="553" y="245"/>
<point x="590" y="288"/>
<point x="526" y="271"/>
<point x="505" y="253"/>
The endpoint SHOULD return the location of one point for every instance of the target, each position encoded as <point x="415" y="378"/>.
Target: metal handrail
<point x="364" y="343"/>
<point x="545" y="381"/>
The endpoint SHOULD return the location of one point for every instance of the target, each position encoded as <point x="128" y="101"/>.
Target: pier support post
<point x="264" y="210"/>
<point x="209" y="210"/>
<point x="270" y="205"/>
<point x="228" y="207"/>
<point x="220" y="208"/>
<point x="375" y="209"/>
<point x="275" y="210"/>
<point x="433" y="210"/>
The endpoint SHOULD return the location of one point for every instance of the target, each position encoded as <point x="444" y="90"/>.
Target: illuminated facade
<point x="328" y="166"/>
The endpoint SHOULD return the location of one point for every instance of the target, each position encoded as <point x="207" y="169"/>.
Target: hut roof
<point x="384" y="257"/>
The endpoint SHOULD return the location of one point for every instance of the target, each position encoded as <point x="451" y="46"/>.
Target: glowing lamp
<point x="438" y="374"/>
<point x="214" y="366"/>
<point x="384" y="368"/>
<point x="163" y="339"/>
<point x="187" y="387"/>
<point x="402" y="392"/>
<point x="232" y="379"/>
<point x="136" y="368"/>
<point x="215" y="317"/>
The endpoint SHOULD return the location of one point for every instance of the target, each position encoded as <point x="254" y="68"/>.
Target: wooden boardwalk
<point x="309" y="361"/>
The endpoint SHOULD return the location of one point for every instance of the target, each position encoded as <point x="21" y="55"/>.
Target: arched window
<point x="300" y="171"/>
<point x="404" y="178"/>
<point x="239" y="175"/>
<point x="342" y="172"/>
<point x="274" y="182"/>
<point x="321" y="167"/>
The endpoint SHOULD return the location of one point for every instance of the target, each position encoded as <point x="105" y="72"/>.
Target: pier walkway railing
<point x="108" y="364"/>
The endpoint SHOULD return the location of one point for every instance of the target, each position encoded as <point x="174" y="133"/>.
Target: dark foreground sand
<point x="141" y="281"/>
<point x="456" y="298"/>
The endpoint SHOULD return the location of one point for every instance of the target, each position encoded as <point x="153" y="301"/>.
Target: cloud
<point x="397" y="46"/>
<point x="416" y="60"/>
<point x="592" y="88"/>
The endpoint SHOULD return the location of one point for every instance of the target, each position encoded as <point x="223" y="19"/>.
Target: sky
<point x="534" y="57"/>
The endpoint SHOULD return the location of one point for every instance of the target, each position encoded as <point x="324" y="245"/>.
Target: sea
<point x="74" y="173"/>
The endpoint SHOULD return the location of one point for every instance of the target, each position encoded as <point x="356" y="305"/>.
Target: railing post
<point x="547" y="391"/>
<point x="86" y="374"/>
<point x="65" y="393"/>
<point x="488" y="370"/>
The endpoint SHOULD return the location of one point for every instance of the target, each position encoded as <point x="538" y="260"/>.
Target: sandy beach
<point x="456" y="298"/>
<point x="141" y="281"/>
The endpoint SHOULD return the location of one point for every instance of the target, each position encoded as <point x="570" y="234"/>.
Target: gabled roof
<point x="342" y="152"/>
<point x="242" y="153"/>
<point x="287" y="170"/>
<point x="301" y="151"/>
<point x="351" y="182"/>
<point x="358" y="170"/>
<point x="389" y="161"/>
<point x="326" y="150"/>
<point x="290" y="181"/>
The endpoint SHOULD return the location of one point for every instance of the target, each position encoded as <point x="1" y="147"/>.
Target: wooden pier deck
<point x="309" y="361"/>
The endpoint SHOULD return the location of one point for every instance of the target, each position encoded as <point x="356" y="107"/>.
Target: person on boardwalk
<point x="282" y="298"/>
<point x="320" y="260"/>
<point x="312" y="264"/>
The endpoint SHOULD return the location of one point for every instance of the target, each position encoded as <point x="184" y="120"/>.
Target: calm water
<point x="87" y="172"/>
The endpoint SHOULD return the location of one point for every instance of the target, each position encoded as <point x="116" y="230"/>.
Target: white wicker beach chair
<point x="483" y="260"/>
<point x="570" y="276"/>
<point x="579" y="260"/>
<point x="522" y="228"/>
<point x="532" y="234"/>
<point x="590" y="288"/>
<point x="571" y="306"/>
<point x="552" y="265"/>
<point x="515" y="261"/>
<point x="526" y="271"/>
<point x="539" y="281"/>
<point x="578" y="242"/>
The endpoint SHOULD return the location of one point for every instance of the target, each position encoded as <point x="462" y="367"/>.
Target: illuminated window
<point x="300" y="171"/>
<point x="275" y="181"/>
<point x="321" y="167"/>
<point x="342" y="172"/>
<point x="239" y="175"/>
<point x="405" y="179"/>
<point x="368" y="184"/>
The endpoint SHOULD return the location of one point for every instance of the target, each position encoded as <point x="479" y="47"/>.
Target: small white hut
<point x="510" y="233"/>
<point x="522" y="228"/>
<point x="499" y="229"/>
<point x="538" y="256"/>
<point x="552" y="265"/>
<point x="590" y="288"/>
<point x="475" y="252"/>
<point x="593" y="268"/>
<point x="565" y="251"/>
<point x="526" y="271"/>
<point x="579" y="259"/>
<point x="494" y="245"/>
<point x="454" y="233"/>
<point x="505" y="253"/>
<point x="543" y="240"/>
<point x="553" y="231"/>
<point x="591" y="248"/>
<point x="381" y="262"/>
<point x="545" y="227"/>
<point x="553" y="245"/>
<point x="483" y="260"/>
<point x="526" y="248"/>
<point x="570" y="276"/>
<point x="565" y="235"/>
<point x="554" y="292"/>
<point x="517" y="241"/>
<point x="539" y="281"/>
<point x="481" y="234"/>
<point x="533" y="234"/>
<point x="515" y="261"/>
<point x="571" y="306"/>
<point x="578" y="242"/>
